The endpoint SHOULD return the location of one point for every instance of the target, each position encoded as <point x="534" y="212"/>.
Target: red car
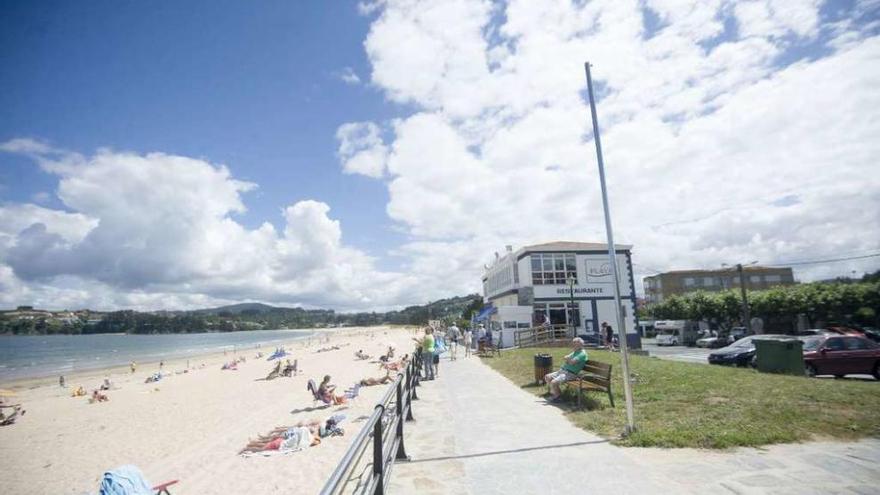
<point x="841" y="355"/>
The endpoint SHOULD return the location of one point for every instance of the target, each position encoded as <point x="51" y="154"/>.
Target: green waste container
<point x="779" y="356"/>
<point x="543" y="365"/>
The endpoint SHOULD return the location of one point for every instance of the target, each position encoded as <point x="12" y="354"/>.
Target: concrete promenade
<point x="478" y="433"/>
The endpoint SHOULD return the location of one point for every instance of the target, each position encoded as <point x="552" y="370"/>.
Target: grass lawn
<point x="696" y="405"/>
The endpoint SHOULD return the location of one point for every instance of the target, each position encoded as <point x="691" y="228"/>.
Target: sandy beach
<point x="190" y="426"/>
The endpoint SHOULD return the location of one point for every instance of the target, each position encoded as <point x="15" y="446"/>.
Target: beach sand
<point x="191" y="426"/>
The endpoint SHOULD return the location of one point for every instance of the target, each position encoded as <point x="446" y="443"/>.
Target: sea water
<point x="33" y="356"/>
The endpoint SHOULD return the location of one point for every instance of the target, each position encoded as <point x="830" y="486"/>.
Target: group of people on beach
<point x="437" y="341"/>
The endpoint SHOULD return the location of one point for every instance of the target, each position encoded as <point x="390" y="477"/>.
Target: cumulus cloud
<point x="361" y="149"/>
<point x="704" y="130"/>
<point x="155" y="229"/>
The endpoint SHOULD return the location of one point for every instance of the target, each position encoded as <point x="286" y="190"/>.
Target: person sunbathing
<point x="107" y="385"/>
<point x="78" y="392"/>
<point x="275" y="371"/>
<point x="289" y="369"/>
<point x="8" y="419"/>
<point x="360" y="354"/>
<point x="326" y="389"/>
<point x="276" y="438"/>
<point x="396" y="365"/>
<point x="369" y="382"/>
<point x="98" y="397"/>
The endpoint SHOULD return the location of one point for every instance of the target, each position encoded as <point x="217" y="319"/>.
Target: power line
<point x="829" y="260"/>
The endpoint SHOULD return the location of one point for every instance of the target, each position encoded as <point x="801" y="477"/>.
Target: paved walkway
<point x="478" y="433"/>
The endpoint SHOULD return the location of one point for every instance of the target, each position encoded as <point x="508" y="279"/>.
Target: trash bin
<point x="779" y="356"/>
<point x="543" y="365"/>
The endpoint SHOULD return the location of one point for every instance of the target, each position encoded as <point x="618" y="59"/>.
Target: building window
<point x="553" y="268"/>
<point x="755" y="279"/>
<point x="708" y="281"/>
<point x="689" y="282"/>
<point x="773" y="278"/>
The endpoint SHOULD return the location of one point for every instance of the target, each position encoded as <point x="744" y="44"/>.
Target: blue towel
<point x="125" y="480"/>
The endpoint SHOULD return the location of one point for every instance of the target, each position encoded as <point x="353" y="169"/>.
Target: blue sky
<point x="379" y="152"/>
<point x="257" y="89"/>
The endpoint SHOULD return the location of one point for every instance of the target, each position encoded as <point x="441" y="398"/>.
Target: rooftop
<point x="731" y="270"/>
<point x="573" y="246"/>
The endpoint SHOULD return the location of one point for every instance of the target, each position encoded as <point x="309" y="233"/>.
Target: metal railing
<point x="542" y="335"/>
<point x="359" y="473"/>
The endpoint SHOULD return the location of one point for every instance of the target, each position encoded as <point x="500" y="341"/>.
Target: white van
<point x="676" y="332"/>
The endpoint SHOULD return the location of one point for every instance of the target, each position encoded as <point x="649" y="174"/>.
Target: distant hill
<point x="237" y="309"/>
<point x="242" y="316"/>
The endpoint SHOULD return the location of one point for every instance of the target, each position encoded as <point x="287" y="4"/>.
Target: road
<point x="700" y="355"/>
<point x="677" y="352"/>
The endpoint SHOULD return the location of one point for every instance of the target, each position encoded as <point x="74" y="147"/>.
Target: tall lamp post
<point x="746" y="311"/>
<point x="571" y="282"/>
<point x="621" y="330"/>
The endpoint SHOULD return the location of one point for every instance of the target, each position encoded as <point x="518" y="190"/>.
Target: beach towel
<point x="125" y="480"/>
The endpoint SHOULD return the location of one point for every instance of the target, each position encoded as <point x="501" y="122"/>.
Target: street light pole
<point x="621" y="330"/>
<point x="747" y="318"/>
<point x="571" y="321"/>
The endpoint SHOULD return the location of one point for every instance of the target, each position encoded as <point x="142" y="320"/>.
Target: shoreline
<point x="170" y="364"/>
<point x="192" y="426"/>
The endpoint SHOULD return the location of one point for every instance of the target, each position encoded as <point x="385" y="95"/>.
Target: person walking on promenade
<point x="609" y="335"/>
<point x="427" y="344"/>
<point x="468" y="336"/>
<point x="572" y="364"/>
<point x="452" y="336"/>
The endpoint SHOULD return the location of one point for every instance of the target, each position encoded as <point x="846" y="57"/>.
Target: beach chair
<point x="313" y="388"/>
<point x="10" y="418"/>
<point x="163" y="488"/>
<point x="130" y="479"/>
<point x="353" y="392"/>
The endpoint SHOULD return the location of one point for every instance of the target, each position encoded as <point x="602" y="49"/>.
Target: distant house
<point x="663" y="285"/>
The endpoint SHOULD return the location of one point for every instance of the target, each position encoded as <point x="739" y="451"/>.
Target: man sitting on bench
<point x="572" y="364"/>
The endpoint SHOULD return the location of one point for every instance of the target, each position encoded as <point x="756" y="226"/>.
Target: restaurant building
<point x="569" y="283"/>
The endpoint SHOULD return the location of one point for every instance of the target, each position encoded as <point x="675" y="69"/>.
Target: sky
<point x="372" y="155"/>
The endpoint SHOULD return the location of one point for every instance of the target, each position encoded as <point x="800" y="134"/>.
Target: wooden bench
<point x="595" y="377"/>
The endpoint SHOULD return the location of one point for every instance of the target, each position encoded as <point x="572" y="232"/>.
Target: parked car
<point x="842" y="330"/>
<point x="741" y="352"/>
<point x="737" y="333"/>
<point x="872" y="333"/>
<point x="841" y="355"/>
<point x="814" y="331"/>
<point x="712" y="342"/>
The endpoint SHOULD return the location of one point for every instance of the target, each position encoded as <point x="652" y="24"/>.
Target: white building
<point x="524" y="286"/>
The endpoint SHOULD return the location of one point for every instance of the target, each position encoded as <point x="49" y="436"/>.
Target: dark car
<point x="741" y="352"/>
<point x="815" y="331"/>
<point x="841" y="355"/>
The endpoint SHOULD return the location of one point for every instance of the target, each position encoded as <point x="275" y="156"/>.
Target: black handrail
<point x="385" y="431"/>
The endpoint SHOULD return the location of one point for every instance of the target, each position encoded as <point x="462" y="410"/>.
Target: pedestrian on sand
<point x="468" y="338"/>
